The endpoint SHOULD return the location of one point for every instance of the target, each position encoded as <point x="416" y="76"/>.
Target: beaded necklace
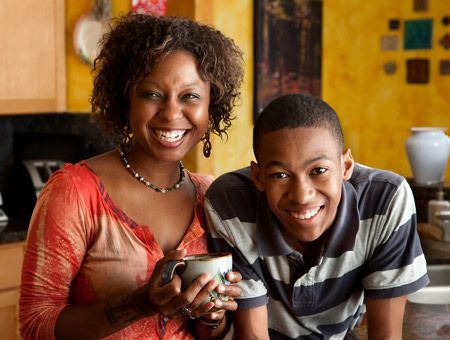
<point x="147" y="183"/>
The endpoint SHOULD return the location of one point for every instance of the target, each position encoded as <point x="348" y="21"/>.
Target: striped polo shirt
<point x="372" y="249"/>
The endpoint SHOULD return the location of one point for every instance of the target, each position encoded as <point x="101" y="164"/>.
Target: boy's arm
<point x="385" y="318"/>
<point x="251" y="323"/>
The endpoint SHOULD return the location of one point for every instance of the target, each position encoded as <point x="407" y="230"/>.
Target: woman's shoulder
<point x="201" y="179"/>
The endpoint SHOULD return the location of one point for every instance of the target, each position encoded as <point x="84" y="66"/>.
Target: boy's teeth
<point x="306" y="215"/>
<point x="169" y="135"/>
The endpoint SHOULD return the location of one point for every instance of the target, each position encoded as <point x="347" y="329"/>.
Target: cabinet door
<point x="32" y="56"/>
<point x="9" y="325"/>
<point x="11" y="258"/>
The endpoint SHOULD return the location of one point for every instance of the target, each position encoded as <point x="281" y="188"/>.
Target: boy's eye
<point x="319" y="171"/>
<point x="279" y="175"/>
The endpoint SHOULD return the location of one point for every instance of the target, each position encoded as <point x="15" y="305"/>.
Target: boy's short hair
<point x="293" y="111"/>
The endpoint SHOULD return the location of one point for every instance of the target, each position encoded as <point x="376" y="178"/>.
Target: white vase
<point x="428" y="150"/>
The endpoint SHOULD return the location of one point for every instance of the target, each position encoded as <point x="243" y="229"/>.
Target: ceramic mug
<point x="217" y="265"/>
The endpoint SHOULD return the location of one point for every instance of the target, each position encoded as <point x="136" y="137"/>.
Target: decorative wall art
<point x="417" y="70"/>
<point x="420" y="5"/>
<point x="390" y="42"/>
<point x="394" y="24"/>
<point x="418" y="34"/>
<point x="288" y="52"/>
<point x="444" y="67"/>
<point x="445" y="41"/>
<point x="390" y="67"/>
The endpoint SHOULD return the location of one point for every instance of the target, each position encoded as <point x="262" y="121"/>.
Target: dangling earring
<point x="127" y="138"/>
<point x="206" y="145"/>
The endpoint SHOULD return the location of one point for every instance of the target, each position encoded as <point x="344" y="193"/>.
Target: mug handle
<point x="169" y="268"/>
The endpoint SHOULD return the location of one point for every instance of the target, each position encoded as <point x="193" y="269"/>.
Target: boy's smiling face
<point x="301" y="171"/>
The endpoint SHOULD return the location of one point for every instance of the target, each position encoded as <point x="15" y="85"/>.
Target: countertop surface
<point x="421" y="322"/>
<point x="15" y="231"/>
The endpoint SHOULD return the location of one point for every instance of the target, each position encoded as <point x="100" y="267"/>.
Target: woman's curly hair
<point x="136" y="43"/>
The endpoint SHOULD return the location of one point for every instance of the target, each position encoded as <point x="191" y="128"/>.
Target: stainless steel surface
<point x="40" y="171"/>
<point x="438" y="291"/>
<point x="3" y="217"/>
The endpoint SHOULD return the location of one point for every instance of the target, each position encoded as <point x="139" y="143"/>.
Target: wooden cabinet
<point x="32" y="56"/>
<point x="11" y="257"/>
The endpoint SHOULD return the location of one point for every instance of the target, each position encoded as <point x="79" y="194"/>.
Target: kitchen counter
<point x="15" y="231"/>
<point x="421" y="321"/>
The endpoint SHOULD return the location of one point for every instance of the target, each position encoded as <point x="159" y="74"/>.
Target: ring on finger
<point x="187" y="312"/>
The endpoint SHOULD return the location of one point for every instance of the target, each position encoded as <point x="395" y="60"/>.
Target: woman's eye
<point x="279" y="175"/>
<point x="319" y="171"/>
<point x="190" y="96"/>
<point x="150" y="94"/>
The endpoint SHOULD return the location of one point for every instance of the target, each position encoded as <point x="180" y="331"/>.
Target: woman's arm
<point x="385" y="318"/>
<point x="100" y="320"/>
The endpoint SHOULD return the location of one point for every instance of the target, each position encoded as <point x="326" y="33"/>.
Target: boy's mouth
<point x="305" y="215"/>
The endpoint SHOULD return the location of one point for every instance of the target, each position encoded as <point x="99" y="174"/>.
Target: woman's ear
<point x="256" y="175"/>
<point x="347" y="164"/>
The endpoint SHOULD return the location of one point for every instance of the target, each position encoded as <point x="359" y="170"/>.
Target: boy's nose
<point x="301" y="192"/>
<point x="170" y="110"/>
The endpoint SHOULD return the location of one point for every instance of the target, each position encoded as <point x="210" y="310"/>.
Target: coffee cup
<point x="217" y="265"/>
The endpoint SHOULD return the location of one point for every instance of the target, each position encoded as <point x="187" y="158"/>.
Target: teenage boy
<point x="318" y="238"/>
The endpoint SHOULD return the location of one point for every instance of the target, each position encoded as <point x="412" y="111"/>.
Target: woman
<point x="103" y="228"/>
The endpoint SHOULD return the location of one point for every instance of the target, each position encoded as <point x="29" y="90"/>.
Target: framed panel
<point x="288" y="49"/>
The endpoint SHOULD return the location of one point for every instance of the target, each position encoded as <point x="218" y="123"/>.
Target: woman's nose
<point x="301" y="192"/>
<point x="170" y="110"/>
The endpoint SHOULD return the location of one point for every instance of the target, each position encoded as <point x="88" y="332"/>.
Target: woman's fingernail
<point x="217" y="303"/>
<point x="220" y="288"/>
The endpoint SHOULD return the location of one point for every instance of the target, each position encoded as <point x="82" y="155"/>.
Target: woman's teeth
<point x="169" y="135"/>
<point x="305" y="215"/>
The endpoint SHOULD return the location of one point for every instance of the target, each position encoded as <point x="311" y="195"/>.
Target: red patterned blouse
<point x="82" y="249"/>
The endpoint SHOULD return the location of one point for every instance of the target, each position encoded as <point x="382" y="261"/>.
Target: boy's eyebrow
<point x="284" y="165"/>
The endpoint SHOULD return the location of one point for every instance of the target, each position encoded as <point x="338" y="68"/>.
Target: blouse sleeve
<point x="56" y="244"/>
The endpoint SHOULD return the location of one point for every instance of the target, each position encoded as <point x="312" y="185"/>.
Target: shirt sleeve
<point x="56" y="243"/>
<point x="397" y="266"/>
<point x="238" y="238"/>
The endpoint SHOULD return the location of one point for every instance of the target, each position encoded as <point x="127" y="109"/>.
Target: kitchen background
<point x="376" y="108"/>
<point x="45" y="88"/>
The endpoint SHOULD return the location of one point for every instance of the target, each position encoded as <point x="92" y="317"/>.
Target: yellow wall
<point x="376" y="109"/>
<point x="235" y="19"/>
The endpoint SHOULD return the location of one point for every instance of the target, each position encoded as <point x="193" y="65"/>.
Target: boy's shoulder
<point x="364" y="175"/>
<point x="234" y="194"/>
<point x="236" y="179"/>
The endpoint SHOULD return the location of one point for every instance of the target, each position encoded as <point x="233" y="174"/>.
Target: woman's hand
<point x="170" y="301"/>
<point x="215" y="310"/>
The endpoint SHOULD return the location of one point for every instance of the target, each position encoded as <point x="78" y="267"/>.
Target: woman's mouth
<point x="169" y="136"/>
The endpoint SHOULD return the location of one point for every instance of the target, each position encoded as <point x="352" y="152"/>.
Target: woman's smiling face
<point x="301" y="171"/>
<point x="169" y="110"/>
